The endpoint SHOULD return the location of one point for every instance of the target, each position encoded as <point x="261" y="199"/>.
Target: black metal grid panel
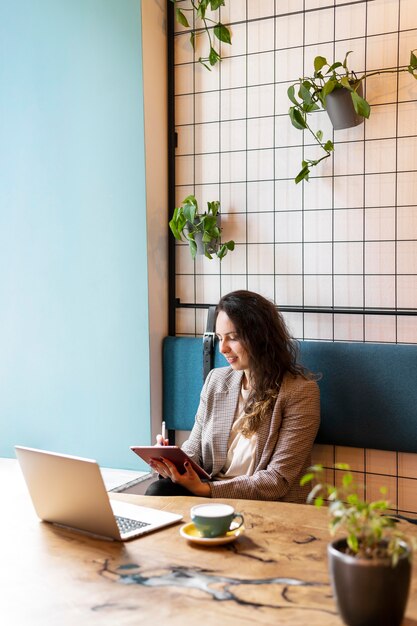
<point x="324" y="251"/>
<point x="338" y="255"/>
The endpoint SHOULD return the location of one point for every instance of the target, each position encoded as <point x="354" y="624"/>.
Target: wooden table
<point x="274" y="574"/>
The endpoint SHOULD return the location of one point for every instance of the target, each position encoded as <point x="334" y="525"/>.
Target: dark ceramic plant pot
<point x="369" y="592"/>
<point x="340" y="109"/>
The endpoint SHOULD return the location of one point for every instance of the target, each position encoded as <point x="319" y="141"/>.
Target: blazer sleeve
<point x="285" y="448"/>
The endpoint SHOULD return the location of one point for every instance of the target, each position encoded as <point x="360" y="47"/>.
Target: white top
<point x="240" y="449"/>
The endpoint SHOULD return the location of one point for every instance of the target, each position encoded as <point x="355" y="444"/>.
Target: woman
<point x="258" y="417"/>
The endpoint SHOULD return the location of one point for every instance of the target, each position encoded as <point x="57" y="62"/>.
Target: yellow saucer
<point x="190" y="532"/>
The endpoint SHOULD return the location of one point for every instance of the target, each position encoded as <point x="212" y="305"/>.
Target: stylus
<point x="163" y="431"/>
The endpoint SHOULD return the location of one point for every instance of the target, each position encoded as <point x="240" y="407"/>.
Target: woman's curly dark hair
<point x="271" y="350"/>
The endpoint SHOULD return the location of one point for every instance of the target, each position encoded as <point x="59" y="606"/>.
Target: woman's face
<point x="229" y="343"/>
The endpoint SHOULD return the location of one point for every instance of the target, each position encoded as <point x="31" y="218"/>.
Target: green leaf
<point x="190" y="212"/>
<point x="347" y="480"/>
<point x="181" y="19"/>
<point x="203" y="62"/>
<point x="297" y="119"/>
<point x="413" y="64"/>
<point x="306" y="479"/>
<point x="334" y="67"/>
<point x="319" y="135"/>
<point x="177" y="213"/>
<point x="216" y="4"/>
<point x="222" y="33"/>
<point x="352" y="498"/>
<point x="309" y="108"/>
<point x="178" y="222"/>
<point x="342" y="466"/>
<point x="302" y="175"/>
<point x="345" y="82"/>
<point x="345" y="59"/>
<point x="213" y="207"/>
<point x="191" y="199"/>
<point x="361" y="105"/>
<point x="201" y="11"/>
<point x="328" y="146"/>
<point x="304" y="94"/>
<point x="222" y="252"/>
<point x="328" y="88"/>
<point x="319" y="62"/>
<point x="213" y="56"/>
<point x="229" y="245"/>
<point x="193" y="247"/>
<point x="352" y="542"/>
<point x="318" y="467"/>
<point x="174" y="229"/>
<point x="291" y="94"/>
<point x="192" y="40"/>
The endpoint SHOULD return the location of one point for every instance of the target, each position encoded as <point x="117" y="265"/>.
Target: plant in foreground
<point x="371" y="531"/>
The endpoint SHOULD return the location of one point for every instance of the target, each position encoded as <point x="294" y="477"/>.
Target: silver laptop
<point x="69" y="491"/>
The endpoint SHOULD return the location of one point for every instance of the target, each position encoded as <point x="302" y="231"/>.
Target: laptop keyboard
<point x="126" y="525"/>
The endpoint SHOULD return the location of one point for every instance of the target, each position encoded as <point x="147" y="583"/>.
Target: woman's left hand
<point x="190" y="480"/>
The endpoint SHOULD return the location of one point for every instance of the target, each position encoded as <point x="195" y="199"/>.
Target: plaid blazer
<point x="285" y="440"/>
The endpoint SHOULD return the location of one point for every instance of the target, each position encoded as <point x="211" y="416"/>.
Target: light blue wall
<point x="74" y="354"/>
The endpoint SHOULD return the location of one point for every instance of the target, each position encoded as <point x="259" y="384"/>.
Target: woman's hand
<point x="190" y="480"/>
<point x="160" y="441"/>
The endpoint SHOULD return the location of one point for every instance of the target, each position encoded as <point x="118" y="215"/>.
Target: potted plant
<point x="370" y="567"/>
<point x="327" y="89"/>
<point x="201" y="230"/>
<point x="219" y="31"/>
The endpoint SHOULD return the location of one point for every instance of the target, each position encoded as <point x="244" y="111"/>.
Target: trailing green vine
<point x="308" y="94"/>
<point x="219" y="31"/>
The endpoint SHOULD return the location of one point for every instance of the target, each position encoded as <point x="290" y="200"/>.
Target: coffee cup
<point x="215" y="520"/>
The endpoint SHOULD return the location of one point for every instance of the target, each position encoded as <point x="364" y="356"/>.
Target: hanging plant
<point x="313" y="93"/>
<point x="219" y="31"/>
<point x="201" y="230"/>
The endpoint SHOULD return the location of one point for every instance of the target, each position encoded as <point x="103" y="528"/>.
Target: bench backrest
<point x="368" y="391"/>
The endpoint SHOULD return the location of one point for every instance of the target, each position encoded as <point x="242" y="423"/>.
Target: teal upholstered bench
<point x="368" y="391"/>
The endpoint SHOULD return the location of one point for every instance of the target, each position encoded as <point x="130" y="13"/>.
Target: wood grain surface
<point x="275" y="573"/>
